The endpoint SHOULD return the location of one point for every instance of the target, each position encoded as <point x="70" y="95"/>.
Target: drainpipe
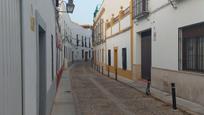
<point x="21" y="44"/>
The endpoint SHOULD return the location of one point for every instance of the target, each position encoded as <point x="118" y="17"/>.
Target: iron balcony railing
<point x="140" y="8"/>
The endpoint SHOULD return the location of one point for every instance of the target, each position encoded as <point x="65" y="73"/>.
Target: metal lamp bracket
<point x="173" y="3"/>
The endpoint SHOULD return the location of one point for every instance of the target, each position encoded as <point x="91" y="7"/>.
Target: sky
<point x="84" y="10"/>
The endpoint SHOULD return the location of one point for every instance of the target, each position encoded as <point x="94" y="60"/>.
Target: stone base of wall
<point x="136" y="73"/>
<point x="189" y="86"/>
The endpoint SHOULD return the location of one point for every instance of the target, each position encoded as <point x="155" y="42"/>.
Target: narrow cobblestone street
<point x="98" y="95"/>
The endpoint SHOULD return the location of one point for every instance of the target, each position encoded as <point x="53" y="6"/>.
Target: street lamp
<point x="70" y="6"/>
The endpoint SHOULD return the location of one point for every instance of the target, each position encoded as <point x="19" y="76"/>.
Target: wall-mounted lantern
<point x="173" y="3"/>
<point x="69" y="6"/>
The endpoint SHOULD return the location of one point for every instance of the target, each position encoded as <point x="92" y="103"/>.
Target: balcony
<point x="140" y="9"/>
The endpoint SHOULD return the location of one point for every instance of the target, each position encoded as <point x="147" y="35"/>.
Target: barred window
<point x="193" y="48"/>
<point x="82" y="41"/>
<point x="85" y="42"/>
<point x="77" y="39"/>
<point x="140" y="8"/>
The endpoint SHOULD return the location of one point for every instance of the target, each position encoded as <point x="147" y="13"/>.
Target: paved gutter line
<point x="76" y="101"/>
<point x="112" y="98"/>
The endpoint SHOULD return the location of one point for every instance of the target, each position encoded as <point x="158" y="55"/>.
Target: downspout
<point x="131" y="35"/>
<point x="21" y="44"/>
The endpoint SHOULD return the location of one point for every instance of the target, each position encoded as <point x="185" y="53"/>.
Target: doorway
<point x="82" y="54"/>
<point x="86" y="56"/>
<point x="42" y="71"/>
<point x="146" y="54"/>
<point x="116" y="61"/>
<point x="72" y="56"/>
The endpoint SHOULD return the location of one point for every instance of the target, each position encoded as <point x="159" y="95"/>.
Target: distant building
<point x="82" y="42"/>
<point x="77" y="39"/>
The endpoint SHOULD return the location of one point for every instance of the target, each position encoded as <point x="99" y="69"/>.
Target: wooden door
<point x="86" y="56"/>
<point x="103" y="56"/>
<point x="115" y="58"/>
<point x="146" y="55"/>
<point x="42" y="72"/>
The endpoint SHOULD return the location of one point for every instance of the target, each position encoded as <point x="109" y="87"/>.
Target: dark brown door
<point x="42" y="72"/>
<point x="146" y="55"/>
<point x="86" y="56"/>
<point x="72" y="56"/>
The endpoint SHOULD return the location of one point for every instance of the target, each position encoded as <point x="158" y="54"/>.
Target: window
<point x="82" y="41"/>
<point x="77" y="39"/>
<point x="57" y="3"/>
<point x="109" y="57"/>
<point x="124" y="58"/>
<point x="102" y="55"/>
<point x="89" y="43"/>
<point x="85" y="42"/>
<point x="82" y="54"/>
<point x="140" y="8"/>
<point x="52" y="56"/>
<point x="101" y="29"/>
<point x="192" y="48"/>
<point x="89" y="54"/>
<point x="64" y="51"/>
<point x="98" y="55"/>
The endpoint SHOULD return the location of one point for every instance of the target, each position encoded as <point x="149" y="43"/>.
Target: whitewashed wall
<point x="125" y="22"/>
<point x="108" y="32"/>
<point x="47" y="12"/>
<point x="115" y="28"/>
<point x="120" y="41"/>
<point x="74" y="29"/>
<point x="166" y="22"/>
<point x="77" y="29"/>
<point x="10" y="58"/>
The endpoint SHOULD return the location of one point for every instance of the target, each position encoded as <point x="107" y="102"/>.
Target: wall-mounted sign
<point x="32" y="23"/>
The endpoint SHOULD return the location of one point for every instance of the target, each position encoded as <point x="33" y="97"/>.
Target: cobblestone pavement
<point x="98" y="95"/>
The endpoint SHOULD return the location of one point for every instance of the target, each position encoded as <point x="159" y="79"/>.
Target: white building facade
<point x="169" y="36"/>
<point x="152" y="40"/>
<point x="77" y="40"/>
<point x="82" y="43"/>
<point x="28" y="57"/>
<point x="112" y="39"/>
